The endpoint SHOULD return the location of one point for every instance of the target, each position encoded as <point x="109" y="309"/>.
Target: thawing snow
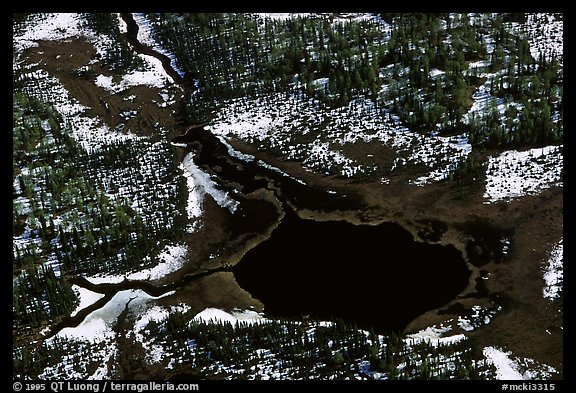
<point x="434" y="336"/>
<point x="235" y="153"/>
<point x="65" y="26"/>
<point x="154" y="352"/>
<point x="156" y="313"/>
<point x="145" y="37"/>
<point x="278" y="121"/>
<point x="245" y="124"/>
<point x="74" y="367"/>
<point x="514" y="173"/>
<point x="481" y="99"/>
<point x="87" y="298"/>
<point x="203" y="184"/>
<point x="171" y="259"/>
<point x="546" y="35"/>
<point x="89" y="132"/>
<point x="480" y="316"/>
<point x="506" y="368"/>
<point x="154" y="76"/>
<point x="97" y="329"/>
<point x="554" y="272"/>
<point x="215" y="315"/>
<point x="98" y="325"/>
<point x="56" y="27"/>
<point x="194" y="203"/>
<point x="516" y="368"/>
<point x="105" y="279"/>
<point x="280" y="171"/>
<point x="442" y="150"/>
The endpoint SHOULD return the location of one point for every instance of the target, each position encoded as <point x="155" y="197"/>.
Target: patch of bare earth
<point x="69" y="62"/>
<point x="527" y="324"/>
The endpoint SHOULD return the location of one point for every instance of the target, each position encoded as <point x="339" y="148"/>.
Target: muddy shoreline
<point x="432" y="214"/>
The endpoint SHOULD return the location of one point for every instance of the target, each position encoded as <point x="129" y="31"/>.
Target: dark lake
<point x="375" y="276"/>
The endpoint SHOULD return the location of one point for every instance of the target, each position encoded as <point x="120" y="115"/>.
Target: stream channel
<point x="376" y="276"/>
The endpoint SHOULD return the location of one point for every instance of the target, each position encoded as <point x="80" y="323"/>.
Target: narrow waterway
<point x="376" y="276"/>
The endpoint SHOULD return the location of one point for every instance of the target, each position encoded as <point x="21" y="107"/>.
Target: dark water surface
<point x="375" y="276"/>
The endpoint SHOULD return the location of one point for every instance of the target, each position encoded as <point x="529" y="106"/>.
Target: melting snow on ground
<point x="434" y="336"/>
<point x="285" y="123"/>
<point x="64" y="26"/>
<point x="202" y="184"/>
<point x="506" y="368"/>
<point x="554" y="272"/>
<point x="56" y="27"/>
<point x="87" y="298"/>
<point x="514" y="173"/>
<point x="89" y="132"/>
<point x="145" y="37"/>
<point x="215" y="315"/>
<point x="171" y="259"/>
<point x="509" y="368"/>
<point x="546" y="35"/>
<point x="100" y="323"/>
<point x="154" y="76"/>
<point x="154" y="352"/>
<point x="480" y="316"/>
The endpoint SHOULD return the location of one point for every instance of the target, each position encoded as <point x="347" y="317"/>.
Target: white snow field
<point x="278" y="122"/>
<point x="513" y="174"/>
<point x="554" y="272"/>
<point x="285" y="124"/>
<point x="509" y="367"/>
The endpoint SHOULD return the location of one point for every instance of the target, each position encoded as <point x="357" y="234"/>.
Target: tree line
<point x="110" y="210"/>
<point x="422" y="60"/>
<point x="118" y="55"/>
<point x="305" y="349"/>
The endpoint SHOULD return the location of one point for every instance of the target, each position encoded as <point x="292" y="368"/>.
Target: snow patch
<point x="514" y="174"/>
<point x="277" y="122"/>
<point x="506" y="368"/>
<point x="554" y="272"/>
<point x="215" y="315"/>
<point x="203" y="184"/>
<point x="98" y="325"/>
<point x="171" y="259"/>
<point x="87" y="298"/>
<point x="154" y="76"/>
<point x="509" y="368"/>
<point x="434" y="336"/>
<point x="56" y="27"/>
<point x="145" y="36"/>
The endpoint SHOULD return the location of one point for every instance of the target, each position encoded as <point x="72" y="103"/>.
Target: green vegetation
<point x="305" y="349"/>
<point x="422" y="61"/>
<point x="119" y="57"/>
<point x="113" y="206"/>
<point x="470" y="175"/>
<point x="77" y="211"/>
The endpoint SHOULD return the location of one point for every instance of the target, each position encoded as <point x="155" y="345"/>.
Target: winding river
<point x="377" y="276"/>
